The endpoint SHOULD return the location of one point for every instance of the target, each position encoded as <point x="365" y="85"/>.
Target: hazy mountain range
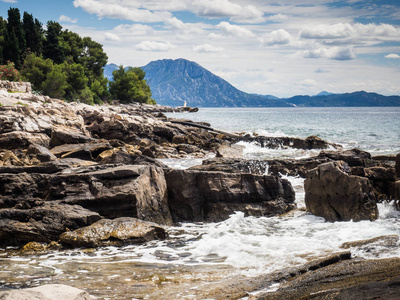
<point x="173" y="82"/>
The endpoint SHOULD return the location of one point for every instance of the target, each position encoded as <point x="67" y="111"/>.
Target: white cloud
<point x="346" y="30"/>
<point x="111" y="37"/>
<point x="63" y="18"/>
<point x="308" y="82"/>
<point x="207" y="48"/>
<point x="276" y="37"/>
<point x="234" y="30"/>
<point x="277" y="17"/>
<point x="154" y="46"/>
<point x="133" y="30"/>
<point x="121" y="10"/>
<point x="335" y="53"/>
<point x="392" y="56"/>
<point x="9" y="1"/>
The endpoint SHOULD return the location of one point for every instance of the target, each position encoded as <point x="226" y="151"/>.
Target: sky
<point x="270" y="47"/>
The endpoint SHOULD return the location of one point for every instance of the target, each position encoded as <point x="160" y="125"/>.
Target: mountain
<point x="356" y="99"/>
<point x="173" y="82"/>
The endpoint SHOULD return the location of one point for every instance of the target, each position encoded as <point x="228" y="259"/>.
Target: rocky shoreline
<point x="73" y="175"/>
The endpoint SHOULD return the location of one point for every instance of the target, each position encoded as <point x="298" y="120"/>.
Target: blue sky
<point x="276" y="47"/>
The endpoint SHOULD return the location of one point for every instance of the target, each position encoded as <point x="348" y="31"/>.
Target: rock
<point x="230" y="150"/>
<point x="331" y="193"/>
<point x="64" y="136"/>
<point x="112" y="191"/>
<point x="233" y="165"/>
<point x="42" y="223"/>
<point x="35" y="247"/>
<point x="188" y="148"/>
<point x="397" y="167"/>
<point x="42" y="153"/>
<point x="88" y="151"/>
<point x="213" y="196"/>
<point x="47" y="292"/>
<point x="20" y="139"/>
<point x="117" y="232"/>
<point x="385" y="241"/>
<point x="353" y="157"/>
<point x="383" y="180"/>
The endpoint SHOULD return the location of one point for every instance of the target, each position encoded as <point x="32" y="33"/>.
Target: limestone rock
<point x="332" y="193"/>
<point x="213" y="196"/>
<point x="353" y="157"/>
<point x="117" y="232"/>
<point x="230" y="151"/>
<point x="88" y="151"/>
<point x="47" y="292"/>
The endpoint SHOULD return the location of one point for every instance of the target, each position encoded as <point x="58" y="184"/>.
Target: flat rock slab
<point x="47" y="292"/>
<point x="117" y="232"/>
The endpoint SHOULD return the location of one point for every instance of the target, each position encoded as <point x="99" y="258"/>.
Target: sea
<point x="197" y="255"/>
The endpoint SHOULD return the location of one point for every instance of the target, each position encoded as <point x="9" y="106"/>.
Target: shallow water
<point x="197" y="254"/>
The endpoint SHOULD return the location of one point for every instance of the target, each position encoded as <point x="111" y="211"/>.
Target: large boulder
<point x="47" y="292"/>
<point x="332" y="193"/>
<point x="213" y="196"/>
<point x="117" y="232"/>
<point x="41" y="222"/>
<point x="353" y="157"/>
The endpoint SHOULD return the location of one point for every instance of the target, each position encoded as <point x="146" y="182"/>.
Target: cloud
<point x="9" y="1"/>
<point x="121" y="10"/>
<point x="207" y="48"/>
<point x="133" y="30"/>
<point x="308" y="82"/>
<point x="63" y="18"/>
<point x="277" y="37"/>
<point x="234" y="30"/>
<point x="277" y="17"/>
<point x="392" y="56"/>
<point x="111" y="37"/>
<point x="335" y="53"/>
<point x="154" y="46"/>
<point x="227" y="9"/>
<point x="355" y="31"/>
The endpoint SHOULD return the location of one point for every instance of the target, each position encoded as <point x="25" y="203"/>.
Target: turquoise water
<point x="373" y="129"/>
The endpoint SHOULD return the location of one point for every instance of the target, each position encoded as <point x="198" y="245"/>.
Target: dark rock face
<point x="117" y="232"/>
<point x="42" y="223"/>
<point x="213" y="196"/>
<point x="353" y="157"/>
<point x="332" y="193"/>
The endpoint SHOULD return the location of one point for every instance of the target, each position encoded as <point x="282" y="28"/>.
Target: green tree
<point x="33" y="34"/>
<point x="35" y="70"/>
<point x="52" y="44"/>
<point x="76" y="79"/>
<point x="3" y="30"/>
<point x="100" y="90"/>
<point x="15" y="38"/>
<point x="55" y="83"/>
<point x="129" y="86"/>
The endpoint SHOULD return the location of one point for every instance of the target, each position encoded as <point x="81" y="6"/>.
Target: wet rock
<point x="383" y="180"/>
<point x="349" y="279"/>
<point x="42" y="223"/>
<point x="397" y="167"/>
<point x="332" y="193"/>
<point x="112" y="191"/>
<point x="47" y="292"/>
<point x="228" y="150"/>
<point x="213" y="196"/>
<point x="386" y="241"/>
<point x="233" y="165"/>
<point x="35" y="247"/>
<point x="353" y="157"/>
<point x="117" y="232"/>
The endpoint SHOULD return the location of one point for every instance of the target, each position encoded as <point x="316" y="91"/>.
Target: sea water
<point x="196" y="254"/>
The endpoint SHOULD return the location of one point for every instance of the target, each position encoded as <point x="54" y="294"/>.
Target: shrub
<point x="8" y="72"/>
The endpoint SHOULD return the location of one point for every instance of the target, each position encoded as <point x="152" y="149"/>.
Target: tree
<point x="33" y="33"/>
<point x="36" y="69"/>
<point x="52" y="45"/>
<point x="76" y="79"/>
<point x="55" y="83"/>
<point x="15" y="43"/>
<point x="129" y="86"/>
<point x="3" y="30"/>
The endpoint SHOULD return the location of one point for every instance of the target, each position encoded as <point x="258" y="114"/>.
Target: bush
<point x="8" y="72"/>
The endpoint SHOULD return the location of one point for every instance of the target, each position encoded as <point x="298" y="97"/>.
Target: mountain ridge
<point x="180" y="81"/>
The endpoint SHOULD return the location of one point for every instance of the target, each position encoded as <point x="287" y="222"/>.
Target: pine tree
<point x="15" y="43"/>
<point x="33" y="33"/>
<point x="52" y="45"/>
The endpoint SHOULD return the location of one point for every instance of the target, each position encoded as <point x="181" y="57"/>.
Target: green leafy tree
<point x="35" y="70"/>
<point x="55" y="83"/>
<point x="76" y="79"/>
<point x="52" y="45"/>
<point x="129" y="86"/>
<point x="100" y="90"/>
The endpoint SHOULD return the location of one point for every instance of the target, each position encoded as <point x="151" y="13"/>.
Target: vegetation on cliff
<point x="61" y="64"/>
